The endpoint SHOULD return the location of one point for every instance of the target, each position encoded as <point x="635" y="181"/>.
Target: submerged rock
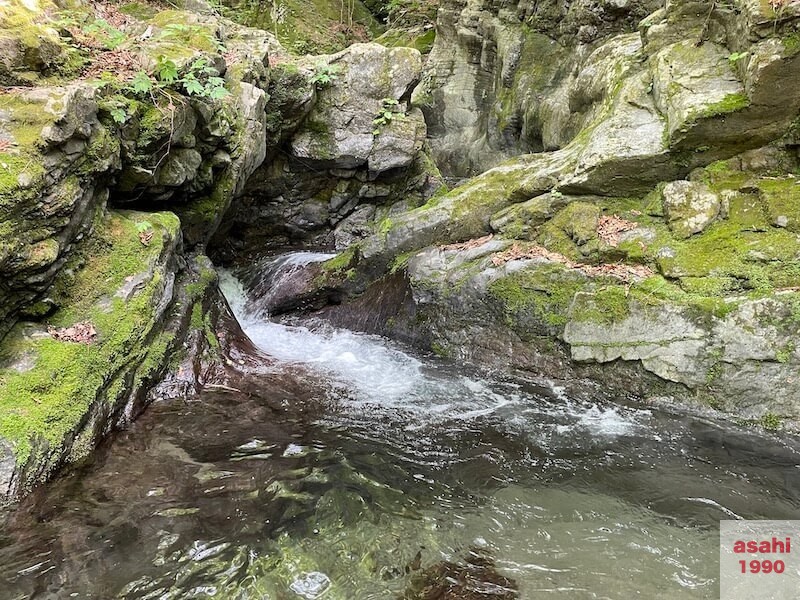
<point x="474" y="579"/>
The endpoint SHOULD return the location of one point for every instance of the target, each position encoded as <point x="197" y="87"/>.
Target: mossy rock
<point x="48" y="385"/>
<point x="781" y="196"/>
<point x="573" y="231"/>
<point x="30" y="47"/>
<point x="538" y="296"/>
<point x="315" y="27"/>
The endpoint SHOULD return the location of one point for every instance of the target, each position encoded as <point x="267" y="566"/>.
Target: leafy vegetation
<point x="325" y="74"/>
<point x="201" y="79"/>
<point x="390" y="110"/>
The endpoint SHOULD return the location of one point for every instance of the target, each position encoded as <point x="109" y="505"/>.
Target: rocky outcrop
<point x="495" y="87"/>
<point x="357" y="155"/>
<point x="111" y="191"/>
<point x="688" y="290"/>
<point x="522" y="77"/>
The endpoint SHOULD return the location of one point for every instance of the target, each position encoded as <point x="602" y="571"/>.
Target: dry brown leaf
<point x="469" y="244"/>
<point x="145" y="237"/>
<point x="623" y="272"/>
<point x="122" y="63"/>
<point x="610" y="228"/>
<point x="83" y="333"/>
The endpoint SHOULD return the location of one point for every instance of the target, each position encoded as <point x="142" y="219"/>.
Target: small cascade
<point x="275" y="284"/>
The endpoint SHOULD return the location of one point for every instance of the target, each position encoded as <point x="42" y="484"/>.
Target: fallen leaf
<point x="83" y="333"/>
<point x="468" y="245"/>
<point x="623" y="272"/>
<point x="610" y="228"/>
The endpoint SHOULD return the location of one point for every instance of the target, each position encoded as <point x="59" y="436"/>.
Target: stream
<point x="400" y="462"/>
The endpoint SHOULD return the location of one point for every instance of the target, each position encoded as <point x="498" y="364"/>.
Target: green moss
<point x="572" y="231"/>
<point x="542" y="292"/>
<point x="342" y="261"/>
<point x="53" y="397"/>
<point x="605" y="306"/>
<point x="208" y="329"/>
<point x="421" y="40"/>
<point x="655" y="291"/>
<point x="760" y="261"/>
<point x="791" y="43"/>
<point x="139" y="10"/>
<point x="196" y="321"/>
<point x="713" y="374"/>
<point x="307" y="27"/>
<point x="770" y="421"/>
<point x="782" y="199"/>
<point x="440" y="350"/>
<point x="730" y="103"/>
<point x="783" y="355"/>
<point x="400" y="261"/>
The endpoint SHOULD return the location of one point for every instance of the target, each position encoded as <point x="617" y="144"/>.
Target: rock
<point x="497" y="83"/>
<point x="29" y="47"/>
<point x="521" y="221"/>
<point x="74" y="113"/>
<point x="92" y="376"/>
<point x="667" y="342"/>
<point x="690" y="207"/>
<point x="691" y="83"/>
<point x="354" y="228"/>
<point x="338" y="133"/>
<point x="398" y="144"/>
<point x="180" y="167"/>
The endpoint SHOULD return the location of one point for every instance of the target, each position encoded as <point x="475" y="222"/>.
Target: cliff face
<point x="510" y="78"/>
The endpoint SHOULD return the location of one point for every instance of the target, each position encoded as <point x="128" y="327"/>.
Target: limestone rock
<point x="691" y="82"/>
<point x="179" y="167"/>
<point x="690" y="207"/>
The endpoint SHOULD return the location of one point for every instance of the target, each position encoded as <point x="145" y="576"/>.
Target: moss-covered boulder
<point x="53" y="170"/>
<point x="30" y="47"/>
<point x="69" y="378"/>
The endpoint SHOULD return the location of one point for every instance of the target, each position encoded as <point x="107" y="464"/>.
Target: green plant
<point x="736" y="57"/>
<point x="388" y="113"/>
<point x="770" y="421"/>
<point x="110" y="37"/>
<point x="97" y="30"/>
<point x="325" y="74"/>
<point x="200" y="79"/>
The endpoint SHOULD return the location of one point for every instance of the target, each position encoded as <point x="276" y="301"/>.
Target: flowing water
<point x="402" y="461"/>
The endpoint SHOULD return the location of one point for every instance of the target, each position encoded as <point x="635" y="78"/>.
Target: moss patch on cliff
<point x="47" y="385"/>
<point x="540" y="292"/>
